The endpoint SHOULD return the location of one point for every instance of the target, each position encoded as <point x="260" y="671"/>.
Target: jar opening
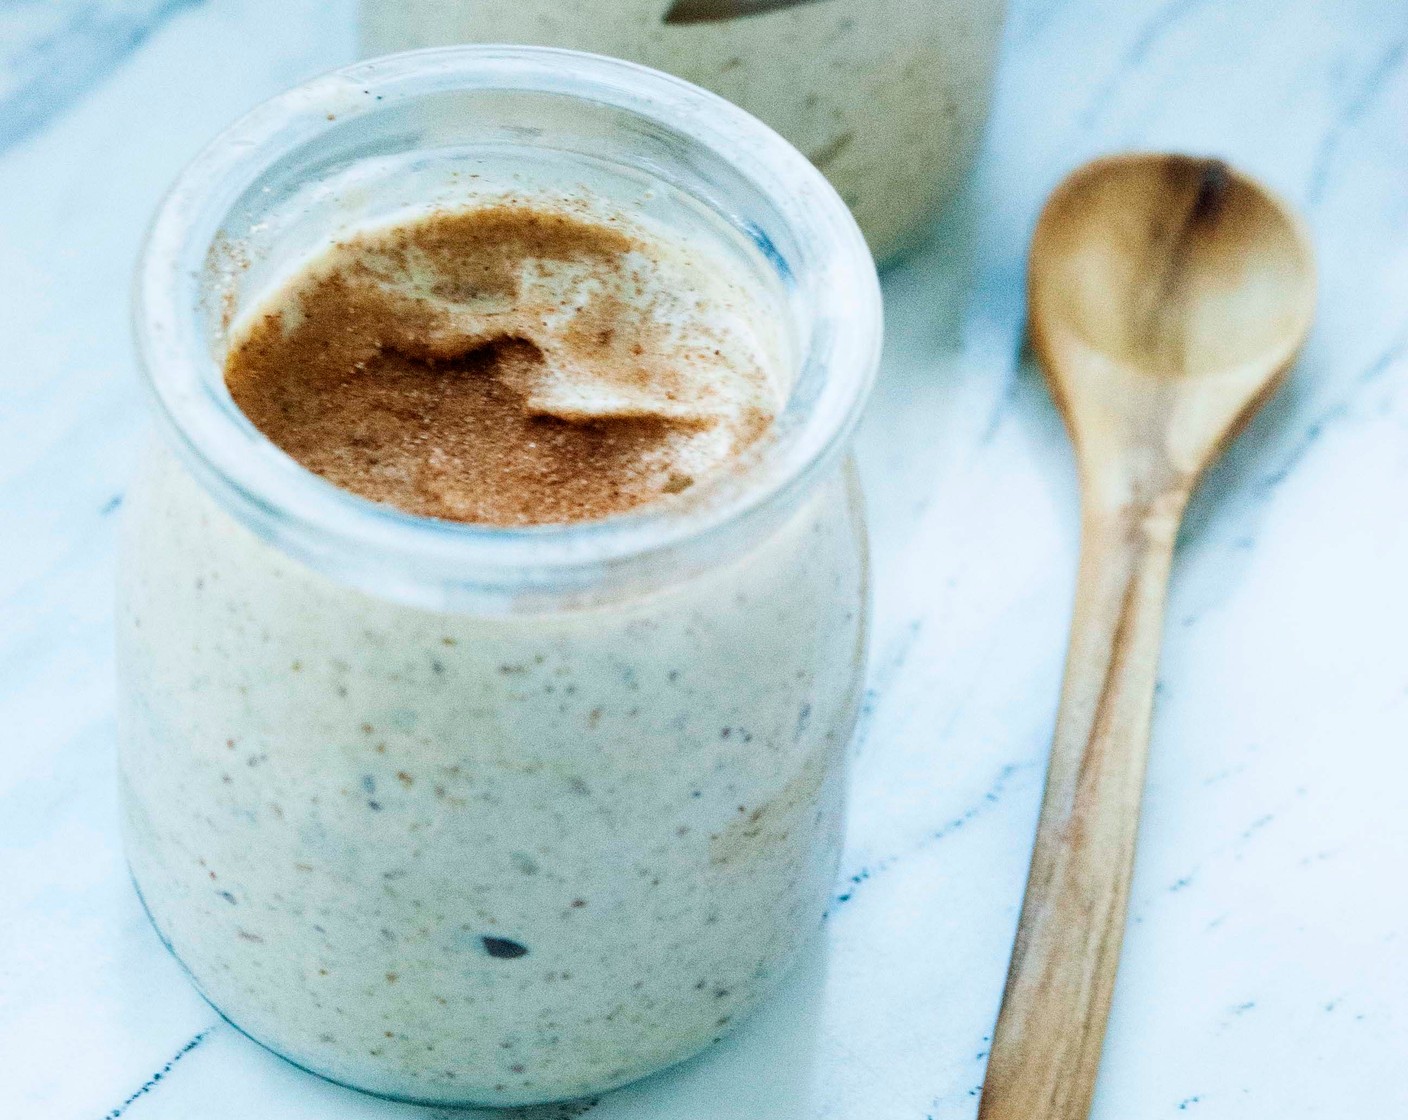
<point x="261" y="194"/>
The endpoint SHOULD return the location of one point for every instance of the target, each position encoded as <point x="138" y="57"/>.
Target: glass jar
<point x="887" y="97"/>
<point x="463" y="814"/>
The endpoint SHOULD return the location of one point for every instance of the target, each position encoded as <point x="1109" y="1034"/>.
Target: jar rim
<point x="419" y="557"/>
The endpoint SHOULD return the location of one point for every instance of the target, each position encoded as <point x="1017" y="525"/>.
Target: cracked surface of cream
<point x="512" y="363"/>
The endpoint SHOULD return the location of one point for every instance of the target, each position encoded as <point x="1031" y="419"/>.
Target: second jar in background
<point x="887" y="97"/>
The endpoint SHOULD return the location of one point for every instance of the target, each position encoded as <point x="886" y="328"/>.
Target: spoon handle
<point x="1046" y="1047"/>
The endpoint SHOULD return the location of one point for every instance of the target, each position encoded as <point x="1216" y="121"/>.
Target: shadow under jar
<point x="466" y="814"/>
<point x="887" y="97"/>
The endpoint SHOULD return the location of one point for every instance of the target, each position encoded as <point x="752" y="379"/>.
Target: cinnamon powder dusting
<point x="508" y="365"/>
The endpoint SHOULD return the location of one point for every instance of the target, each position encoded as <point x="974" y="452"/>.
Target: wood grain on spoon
<point x="1167" y="296"/>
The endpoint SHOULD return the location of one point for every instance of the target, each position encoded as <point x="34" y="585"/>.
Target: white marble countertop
<point x="1264" y="973"/>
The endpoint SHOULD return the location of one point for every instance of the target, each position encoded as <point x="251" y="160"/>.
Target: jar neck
<point x="356" y="145"/>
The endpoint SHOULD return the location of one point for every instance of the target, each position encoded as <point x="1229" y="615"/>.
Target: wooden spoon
<point x="1167" y="296"/>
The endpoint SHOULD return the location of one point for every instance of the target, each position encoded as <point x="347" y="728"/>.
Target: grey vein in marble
<point x="1354" y="109"/>
<point x="890" y="665"/>
<point x="158" y="1076"/>
<point x="1158" y="25"/>
<point x="1390" y="356"/>
<point x="990" y="798"/>
<point x="58" y="50"/>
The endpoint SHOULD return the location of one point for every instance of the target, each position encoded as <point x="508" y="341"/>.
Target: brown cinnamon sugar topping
<point x="507" y="365"/>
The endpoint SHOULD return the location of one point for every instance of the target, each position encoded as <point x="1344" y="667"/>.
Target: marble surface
<point x="1264" y="970"/>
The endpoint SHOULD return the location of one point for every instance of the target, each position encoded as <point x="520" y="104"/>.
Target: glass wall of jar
<point x="466" y="814"/>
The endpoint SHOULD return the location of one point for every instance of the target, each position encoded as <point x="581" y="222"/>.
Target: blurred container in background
<point x="887" y="97"/>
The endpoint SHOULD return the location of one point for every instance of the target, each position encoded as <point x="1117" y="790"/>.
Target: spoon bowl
<point x="1168" y="287"/>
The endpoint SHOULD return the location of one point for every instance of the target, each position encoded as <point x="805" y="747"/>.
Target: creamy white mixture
<point x="887" y="97"/>
<point x="474" y="859"/>
<point x="334" y="803"/>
